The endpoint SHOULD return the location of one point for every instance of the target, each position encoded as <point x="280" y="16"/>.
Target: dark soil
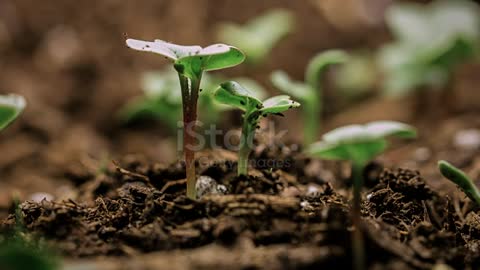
<point x="139" y="208"/>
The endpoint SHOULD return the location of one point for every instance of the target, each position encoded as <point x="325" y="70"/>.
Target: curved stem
<point x="357" y="236"/>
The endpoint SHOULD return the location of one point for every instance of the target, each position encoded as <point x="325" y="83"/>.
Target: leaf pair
<point x="233" y="94"/>
<point x="190" y="61"/>
<point x="359" y="143"/>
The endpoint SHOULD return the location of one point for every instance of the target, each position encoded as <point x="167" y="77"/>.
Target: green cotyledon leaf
<point x="192" y="60"/>
<point x="10" y="107"/>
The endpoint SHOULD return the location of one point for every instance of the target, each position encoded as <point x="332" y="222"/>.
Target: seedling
<point x="309" y="92"/>
<point x="162" y="99"/>
<point x="461" y="179"/>
<point x="359" y="144"/>
<point x="190" y="62"/>
<point x="258" y="36"/>
<point x="429" y="42"/>
<point x="233" y="94"/>
<point x="10" y="108"/>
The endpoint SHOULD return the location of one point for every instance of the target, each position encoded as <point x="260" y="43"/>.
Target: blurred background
<point x="69" y="59"/>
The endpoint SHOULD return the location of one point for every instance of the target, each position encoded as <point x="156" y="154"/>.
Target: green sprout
<point x="429" y="42"/>
<point x="233" y="94"/>
<point x="356" y="77"/>
<point x="190" y="62"/>
<point x="359" y="144"/>
<point x="309" y="92"/>
<point x="162" y="99"/>
<point x="461" y="179"/>
<point x="10" y="108"/>
<point x="258" y="36"/>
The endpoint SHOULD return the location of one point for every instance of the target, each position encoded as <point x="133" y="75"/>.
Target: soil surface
<point x="282" y="217"/>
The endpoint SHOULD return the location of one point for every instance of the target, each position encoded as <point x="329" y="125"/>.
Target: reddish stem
<point x="190" y="88"/>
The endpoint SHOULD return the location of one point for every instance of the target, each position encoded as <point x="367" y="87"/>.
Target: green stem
<point x="248" y="131"/>
<point x="190" y="88"/>
<point x="357" y="236"/>
<point x="311" y="116"/>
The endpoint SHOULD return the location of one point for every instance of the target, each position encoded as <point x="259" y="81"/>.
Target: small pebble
<point x="467" y="139"/>
<point x="207" y="185"/>
<point x="313" y="191"/>
<point x="40" y="196"/>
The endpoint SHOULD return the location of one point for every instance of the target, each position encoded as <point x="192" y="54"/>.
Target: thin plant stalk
<point x="190" y="88"/>
<point x="311" y="116"/>
<point x="313" y="106"/>
<point x="357" y="236"/>
<point x="248" y="131"/>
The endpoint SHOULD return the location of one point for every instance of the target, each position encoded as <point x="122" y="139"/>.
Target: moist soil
<point x="276" y="218"/>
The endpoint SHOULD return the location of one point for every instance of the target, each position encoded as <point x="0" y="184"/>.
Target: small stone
<point x="221" y="189"/>
<point x="467" y="139"/>
<point x="40" y="196"/>
<point x="207" y="186"/>
<point x="313" y="191"/>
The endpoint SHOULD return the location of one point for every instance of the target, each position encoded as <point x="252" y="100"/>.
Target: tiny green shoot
<point x="359" y="144"/>
<point x="190" y="62"/>
<point x="258" y="36"/>
<point x="10" y="108"/>
<point x="233" y="94"/>
<point x="422" y="56"/>
<point x="308" y="92"/>
<point x="461" y="179"/>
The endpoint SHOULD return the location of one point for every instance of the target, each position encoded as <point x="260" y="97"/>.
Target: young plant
<point x="10" y="108"/>
<point x="258" y="36"/>
<point x="309" y="92"/>
<point x="162" y="99"/>
<point x="430" y="40"/>
<point x="461" y="179"/>
<point x="233" y="94"/>
<point x="359" y="144"/>
<point x="190" y="62"/>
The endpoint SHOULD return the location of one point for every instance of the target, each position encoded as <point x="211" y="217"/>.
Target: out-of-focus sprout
<point x="233" y="94"/>
<point x="309" y="92"/>
<point x="258" y="36"/>
<point x="356" y="76"/>
<point x="429" y="42"/>
<point x="458" y="177"/>
<point x="162" y="99"/>
<point x="359" y="144"/>
<point x="19" y="251"/>
<point x="190" y="62"/>
<point x="10" y="108"/>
